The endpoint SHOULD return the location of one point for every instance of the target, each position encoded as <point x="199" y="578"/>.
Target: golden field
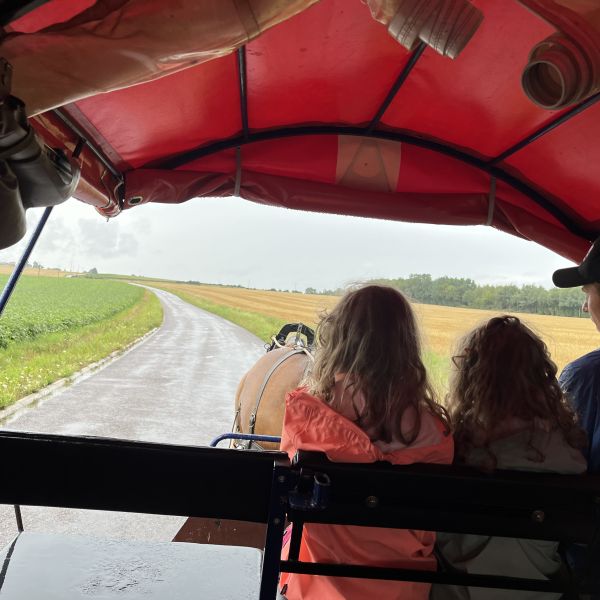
<point x="441" y="326"/>
<point x="8" y="269"/>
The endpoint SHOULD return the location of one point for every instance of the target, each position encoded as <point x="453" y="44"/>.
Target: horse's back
<point x="269" y="408"/>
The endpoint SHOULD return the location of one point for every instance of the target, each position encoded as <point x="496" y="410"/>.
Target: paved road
<point x="176" y="387"/>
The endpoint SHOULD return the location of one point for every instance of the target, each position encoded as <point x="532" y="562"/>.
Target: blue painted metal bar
<point x="14" y="276"/>
<point x="7" y="293"/>
<point x="253" y="437"/>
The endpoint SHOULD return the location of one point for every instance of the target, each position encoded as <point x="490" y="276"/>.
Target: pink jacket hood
<point x="311" y="424"/>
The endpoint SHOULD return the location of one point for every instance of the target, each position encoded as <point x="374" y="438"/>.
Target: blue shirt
<point x="581" y="381"/>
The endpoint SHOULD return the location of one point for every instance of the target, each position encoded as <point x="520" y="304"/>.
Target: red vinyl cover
<point x="298" y="117"/>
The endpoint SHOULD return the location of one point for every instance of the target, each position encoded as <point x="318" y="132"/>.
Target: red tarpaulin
<point x="325" y="111"/>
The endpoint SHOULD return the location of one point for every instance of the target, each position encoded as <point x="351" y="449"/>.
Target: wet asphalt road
<point x="177" y="387"/>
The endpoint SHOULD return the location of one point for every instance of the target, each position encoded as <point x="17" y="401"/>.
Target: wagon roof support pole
<point x="14" y="276"/>
<point x="243" y="87"/>
<point x="415" y="56"/>
<point x="536" y="135"/>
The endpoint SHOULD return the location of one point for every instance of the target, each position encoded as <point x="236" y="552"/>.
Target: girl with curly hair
<point x="508" y="412"/>
<point x="367" y="398"/>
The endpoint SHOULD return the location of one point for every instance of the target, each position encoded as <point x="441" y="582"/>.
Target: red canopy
<point x="326" y="112"/>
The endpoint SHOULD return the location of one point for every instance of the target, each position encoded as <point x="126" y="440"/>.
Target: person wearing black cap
<point x="581" y="382"/>
<point x="581" y="378"/>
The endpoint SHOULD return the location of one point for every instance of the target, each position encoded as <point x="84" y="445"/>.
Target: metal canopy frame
<point x="489" y="166"/>
<point x="410" y="65"/>
<point x="499" y="173"/>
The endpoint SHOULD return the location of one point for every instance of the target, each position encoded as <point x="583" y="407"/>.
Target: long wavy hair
<point x="371" y="337"/>
<point x="502" y="373"/>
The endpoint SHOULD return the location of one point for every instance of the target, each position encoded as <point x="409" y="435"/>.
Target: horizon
<point x="319" y="291"/>
<point x="229" y="241"/>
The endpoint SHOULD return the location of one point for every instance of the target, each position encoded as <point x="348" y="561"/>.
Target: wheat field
<point x="441" y="326"/>
<point x="6" y="269"/>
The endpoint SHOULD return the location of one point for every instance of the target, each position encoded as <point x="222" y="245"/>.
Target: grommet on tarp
<point x="238" y="172"/>
<point x="491" y="201"/>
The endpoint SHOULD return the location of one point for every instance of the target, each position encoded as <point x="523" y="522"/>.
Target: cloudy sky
<point x="233" y="241"/>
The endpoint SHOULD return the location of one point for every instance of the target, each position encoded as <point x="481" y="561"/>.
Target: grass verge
<point x="27" y="367"/>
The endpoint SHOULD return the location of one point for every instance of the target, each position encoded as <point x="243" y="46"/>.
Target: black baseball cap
<point x="587" y="272"/>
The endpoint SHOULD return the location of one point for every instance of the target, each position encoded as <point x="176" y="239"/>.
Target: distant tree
<point x="93" y="271"/>
<point x="453" y="291"/>
<point x="310" y="290"/>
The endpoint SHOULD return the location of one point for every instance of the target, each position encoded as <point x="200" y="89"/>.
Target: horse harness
<point x="247" y="444"/>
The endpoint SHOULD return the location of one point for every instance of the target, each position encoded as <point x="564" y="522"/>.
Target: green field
<point x="42" y="305"/>
<point x="53" y="327"/>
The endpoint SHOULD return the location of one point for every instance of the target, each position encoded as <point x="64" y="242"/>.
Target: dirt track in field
<point x="176" y="387"/>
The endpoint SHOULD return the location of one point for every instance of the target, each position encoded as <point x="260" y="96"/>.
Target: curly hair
<point x="503" y="371"/>
<point x="371" y="336"/>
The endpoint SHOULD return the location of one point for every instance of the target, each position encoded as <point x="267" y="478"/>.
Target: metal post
<point x="7" y="292"/>
<point x="275" y="526"/>
<point x="19" y="518"/>
<point x="14" y="276"/>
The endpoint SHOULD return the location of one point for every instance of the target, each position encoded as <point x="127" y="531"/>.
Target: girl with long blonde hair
<point x="508" y="412"/>
<point x="367" y="398"/>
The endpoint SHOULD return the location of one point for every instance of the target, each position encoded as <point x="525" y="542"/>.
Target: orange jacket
<point x="310" y="424"/>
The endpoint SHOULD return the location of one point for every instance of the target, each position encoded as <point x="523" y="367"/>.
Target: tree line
<point x="453" y="291"/>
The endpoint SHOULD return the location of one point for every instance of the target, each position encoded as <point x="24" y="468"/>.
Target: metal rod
<point x="435" y="145"/>
<point x="14" y="276"/>
<point x="100" y="155"/>
<point x="254" y="437"/>
<point x="243" y="85"/>
<point x="19" y="518"/>
<point x="412" y="61"/>
<point x="546" y="129"/>
<point x="449" y="578"/>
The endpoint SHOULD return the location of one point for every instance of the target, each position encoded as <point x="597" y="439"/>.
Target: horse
<point x="266" y="384"/>
<point x="259" y="407"/>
